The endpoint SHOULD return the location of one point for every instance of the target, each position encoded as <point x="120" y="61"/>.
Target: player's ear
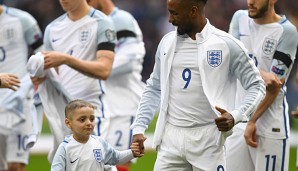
<point x="67" y="123"/>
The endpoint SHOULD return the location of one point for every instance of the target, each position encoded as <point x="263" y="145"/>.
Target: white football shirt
<point x="80" y="39"/>
<point x="273" y="48"/>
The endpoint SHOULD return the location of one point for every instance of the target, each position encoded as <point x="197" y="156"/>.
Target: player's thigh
<point x="3" y="165"/>
<point x="201" y="148"/>
<point x="272" y="154"/>
<point x="119" y="132"/>
<point x="171" y="155"/>
<point x="238" y="153"/>
<point x="17" y="140"/>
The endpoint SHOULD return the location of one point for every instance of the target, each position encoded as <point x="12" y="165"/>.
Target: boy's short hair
<point x="76" y="104"/>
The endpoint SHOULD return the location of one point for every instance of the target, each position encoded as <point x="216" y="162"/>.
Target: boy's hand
<point x="136" y="150"/>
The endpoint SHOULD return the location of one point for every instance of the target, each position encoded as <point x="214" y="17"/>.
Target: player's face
<point x="179" y="16"/>
<point x="95" y="4"/>
<point x="257" y="8"/>
<point x="70" y="5"/>
<point x="81" y="122"/>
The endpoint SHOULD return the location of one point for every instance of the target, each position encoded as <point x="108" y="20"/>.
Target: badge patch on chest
<point x="97" y="154"/>
<point x="214" y="57"/>
<point x="269" y="46"/>
<point x="84" y="36"/>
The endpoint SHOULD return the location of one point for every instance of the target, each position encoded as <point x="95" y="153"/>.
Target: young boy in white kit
<point x="82" y="151"/>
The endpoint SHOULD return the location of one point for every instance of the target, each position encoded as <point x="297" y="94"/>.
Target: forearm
<point x="265" y="104"/>
<point x="125" y="156"/>
<point x="101" y="68"/>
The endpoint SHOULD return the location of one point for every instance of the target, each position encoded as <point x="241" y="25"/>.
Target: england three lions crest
<point x="97" y="155"/>
<point x="269" y="46"/>
<point x="214" y="57"/>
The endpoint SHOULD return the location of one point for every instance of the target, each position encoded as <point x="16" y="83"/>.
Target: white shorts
<point x="272" y="154"/>
<point x="12" y="146"/>
<point x="101" y="127"/>
<point x="193" y="149"/>
<point x="239" y="155"/>
<point x="119" y="132"/>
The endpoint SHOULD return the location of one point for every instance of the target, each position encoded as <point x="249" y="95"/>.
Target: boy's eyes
<point x="83" y="119"/>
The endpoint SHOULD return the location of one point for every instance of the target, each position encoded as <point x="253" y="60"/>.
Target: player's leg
<point x="119" y="136"/>
<point x="238" y="153"/>
<point x="171" y="152"/>
<point x="201" y="148"/>
<point x="17" y="153"/>
<point x="272" y="154"/>
<point x="3" y="164"/>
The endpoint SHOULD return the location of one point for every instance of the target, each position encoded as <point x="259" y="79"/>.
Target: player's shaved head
<point x="76" y="104"/>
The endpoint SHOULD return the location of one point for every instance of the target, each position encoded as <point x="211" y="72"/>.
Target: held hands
<point x="139" y="140"/>
<point x="250" y="134"/>
<point x="135" y="148"/>
<point x="10" y="81"/>
<point x="225" y="122"/>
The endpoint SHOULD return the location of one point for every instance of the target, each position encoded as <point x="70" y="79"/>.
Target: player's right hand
<point x="136" y="150"/>
<point x="250" y="134"/>
<point x="139" y="138"/>
<point x="10" y="81"/>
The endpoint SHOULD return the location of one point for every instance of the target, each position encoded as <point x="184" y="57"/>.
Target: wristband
<point x="0" y="82"/>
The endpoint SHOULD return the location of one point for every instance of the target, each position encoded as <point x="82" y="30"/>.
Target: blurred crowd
<point x="152" y="16"/>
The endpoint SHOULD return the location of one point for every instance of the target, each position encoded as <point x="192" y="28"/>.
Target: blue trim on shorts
<point x="100" y="99"/>
<point x="285" y="114"/>
<point x="98" y="126"/>
<point x="283" y="154"/>
<point x="130" y="132"/>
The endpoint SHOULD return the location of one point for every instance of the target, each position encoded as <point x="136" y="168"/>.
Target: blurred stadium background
<point x="152" y="16"/>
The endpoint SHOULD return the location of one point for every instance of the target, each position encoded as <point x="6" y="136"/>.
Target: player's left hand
<point x="225" y="122"/>
<point x="53" y="59"/>
<point x="250" y="134"/>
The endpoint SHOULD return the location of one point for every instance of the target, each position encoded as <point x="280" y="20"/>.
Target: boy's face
<point x="81" y="121"/>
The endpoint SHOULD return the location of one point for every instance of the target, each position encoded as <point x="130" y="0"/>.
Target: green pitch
<point x="146" y="163"/>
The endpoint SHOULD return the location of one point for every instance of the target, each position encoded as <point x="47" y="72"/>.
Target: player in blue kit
<point x="194" y="84"/>
<point x="271" y="40"/>
<point x="124" y="86"/>
<point x="19" y="33"/>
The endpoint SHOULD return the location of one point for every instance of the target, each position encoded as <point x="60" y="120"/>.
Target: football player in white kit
<point x="124" y="86"/>
<point x="271" y="40"/>
<point x="194" y="83"/>
<point x="19" y="32"/>
<point x="80" y="45"/>
<point x="82" y="151"/>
